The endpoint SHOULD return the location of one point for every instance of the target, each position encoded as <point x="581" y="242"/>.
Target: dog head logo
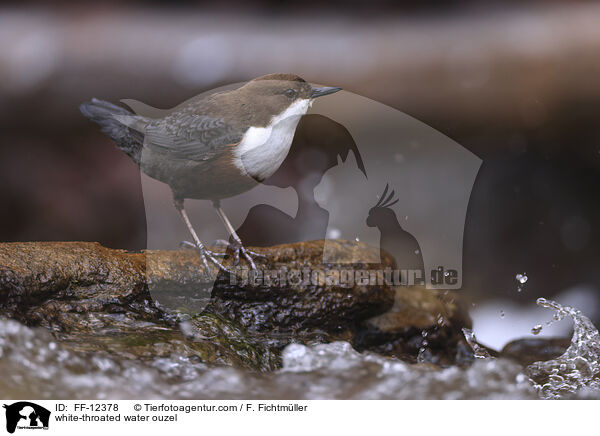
<point x="26" y="415"/>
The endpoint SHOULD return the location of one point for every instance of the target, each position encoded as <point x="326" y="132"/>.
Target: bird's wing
<point x="190" y="136"/>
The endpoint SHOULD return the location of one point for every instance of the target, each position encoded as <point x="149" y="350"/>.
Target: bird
<point x="213" y="147"/>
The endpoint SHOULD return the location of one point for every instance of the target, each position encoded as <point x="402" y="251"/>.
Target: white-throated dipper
<point x="214" y="147"/>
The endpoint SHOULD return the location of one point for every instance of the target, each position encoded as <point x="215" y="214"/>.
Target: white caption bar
<point x="264" y="417"/>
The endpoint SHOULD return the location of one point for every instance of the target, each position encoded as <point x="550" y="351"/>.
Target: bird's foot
<point x="207" y="255"/>
<point x="237" y="248"/>
<point x="192" y="246"/>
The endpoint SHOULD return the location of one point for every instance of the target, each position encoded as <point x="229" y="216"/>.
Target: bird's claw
<point x="237" y="248"/>
<point x="192" y="246"/>
<point x="206" y="255"/>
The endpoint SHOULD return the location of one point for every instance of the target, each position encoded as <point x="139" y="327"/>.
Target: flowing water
<point x="34" y="365"/>
<point x="578" y="369"/>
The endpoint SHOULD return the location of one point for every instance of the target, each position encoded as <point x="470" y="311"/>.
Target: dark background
<point x="517" y="83"/>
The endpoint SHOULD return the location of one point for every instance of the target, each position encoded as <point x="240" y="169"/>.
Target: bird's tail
<point x="112" y="120"/>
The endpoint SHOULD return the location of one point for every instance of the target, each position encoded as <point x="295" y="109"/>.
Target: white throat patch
<point x="263" y="149"/>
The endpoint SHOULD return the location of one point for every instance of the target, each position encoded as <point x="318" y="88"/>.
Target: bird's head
<point x="281" y="94"/>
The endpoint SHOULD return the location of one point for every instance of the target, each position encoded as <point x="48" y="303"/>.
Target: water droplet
<point x="522" y="278"/>
<point x="417" y="251"/>
<point x="501" y="314"/>
<point x="536" y="329"/>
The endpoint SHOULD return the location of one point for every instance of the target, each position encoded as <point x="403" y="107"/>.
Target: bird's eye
<point x="290" y="93"/>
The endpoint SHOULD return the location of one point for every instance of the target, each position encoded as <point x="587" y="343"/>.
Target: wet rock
<point x="87" y="274"/>
<point x="96" y="299"/>
<point x="306" y="296"/>
<point x="224" y="342"/>
<point x="423" y="326"/>
<point x="529" y="350"/>
<point x="203" y="339"/>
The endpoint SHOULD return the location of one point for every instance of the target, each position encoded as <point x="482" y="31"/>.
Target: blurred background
<point x="516" y="83"/>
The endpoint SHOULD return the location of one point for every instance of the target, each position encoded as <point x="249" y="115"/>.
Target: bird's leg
<point x="205" y="254"/>
<point x="237" y="245"/>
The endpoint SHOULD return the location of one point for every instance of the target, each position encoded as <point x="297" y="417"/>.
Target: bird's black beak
<point x="325" y="90"/>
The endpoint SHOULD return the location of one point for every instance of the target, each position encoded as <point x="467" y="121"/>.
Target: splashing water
<point x="522" y="279"/>
<point x="578" y="367"/>
<point x="478" y="351"/>
<point x="422" y="354"/>
<point x="35" y="365"/>
<point x="536" y="329"/>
